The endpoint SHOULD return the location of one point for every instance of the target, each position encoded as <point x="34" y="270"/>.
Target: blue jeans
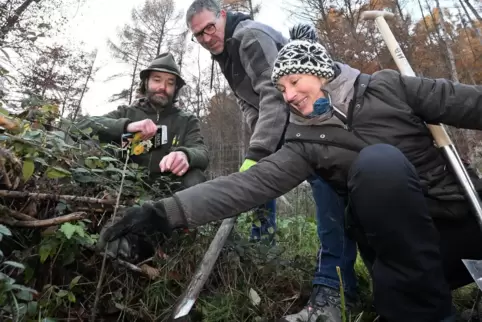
<point x="336" y="248"/>
<point x="267" y="216"/>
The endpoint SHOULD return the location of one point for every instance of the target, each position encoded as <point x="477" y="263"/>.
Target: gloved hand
<point x="136" y="220"/>
<point x="248" y="163"/>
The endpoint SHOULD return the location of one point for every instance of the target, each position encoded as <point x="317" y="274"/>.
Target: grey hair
<point x="199" y="5"/>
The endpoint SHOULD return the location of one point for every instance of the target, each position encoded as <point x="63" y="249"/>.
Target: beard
<point x="159" y="101"/>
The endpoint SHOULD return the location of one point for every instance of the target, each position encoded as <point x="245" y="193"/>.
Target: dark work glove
<point x="131" y="247"/>
<point x="146" y="220"/>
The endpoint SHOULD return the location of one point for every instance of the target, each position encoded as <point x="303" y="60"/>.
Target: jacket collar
<point x="232" y="21"/>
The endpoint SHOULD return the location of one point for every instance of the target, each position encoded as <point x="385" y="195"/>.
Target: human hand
<point x="147" y="128"/>
<point x="146" y="219"/>
<point x="176" y="162"/>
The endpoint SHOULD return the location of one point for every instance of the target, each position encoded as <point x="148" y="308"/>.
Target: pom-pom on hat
<point x="303" y="55"/>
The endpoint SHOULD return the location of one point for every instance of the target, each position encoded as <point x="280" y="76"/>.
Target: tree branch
<point x="44" y="196"/>
<point x="43" y="223"/>
<point x="16" y="214"/>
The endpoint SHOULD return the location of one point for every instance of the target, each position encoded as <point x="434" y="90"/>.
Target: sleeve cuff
<point x="174" y="212"/>
<point x="257" y="153"/>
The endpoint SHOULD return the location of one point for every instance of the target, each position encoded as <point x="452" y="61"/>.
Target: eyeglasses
<point x="210" y="29"/>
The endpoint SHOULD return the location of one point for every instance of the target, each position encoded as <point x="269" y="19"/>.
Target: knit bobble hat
<point x="303" y="55"/>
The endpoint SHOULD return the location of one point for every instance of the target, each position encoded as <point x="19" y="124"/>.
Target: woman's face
<point x="301" y="91"/>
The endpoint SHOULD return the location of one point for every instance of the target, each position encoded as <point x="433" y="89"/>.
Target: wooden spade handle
<point x="440" y="135"/>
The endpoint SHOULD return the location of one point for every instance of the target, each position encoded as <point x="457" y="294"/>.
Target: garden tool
<point x="439" y="133"/>
<point x="189" y="297"/>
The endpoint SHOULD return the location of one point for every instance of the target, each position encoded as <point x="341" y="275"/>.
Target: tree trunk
<point x="464" y="24"/>
<point x="12" y="20"/>
<point x="446" y="41"/>
<point x="471" y="21"/>
<point x="425" y="23"/>
<point x="161" y="38"/>
<point x="476" y="14"/>
<point x="251" y="11"/>
<point x="49" y="78"/>
<point x="89" y="75"/>
<point x="134" y="73"/>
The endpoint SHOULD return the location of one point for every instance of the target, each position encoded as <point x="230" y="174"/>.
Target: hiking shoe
<point x="324" y="306"/>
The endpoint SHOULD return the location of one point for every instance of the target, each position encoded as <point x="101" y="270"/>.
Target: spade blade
<point x="475" y="269"/>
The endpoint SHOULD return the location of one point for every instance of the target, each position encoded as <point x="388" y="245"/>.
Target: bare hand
<point x="176" y="162"/>
<point x="146" y="127"/>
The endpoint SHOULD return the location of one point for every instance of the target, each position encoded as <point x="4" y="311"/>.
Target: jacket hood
<point x="341" y="90"/>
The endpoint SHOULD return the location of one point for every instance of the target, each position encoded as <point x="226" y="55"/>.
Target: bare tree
<point x="242" y="6"/>
<point x="447" y="44"/>
<point x="152" y="30"/>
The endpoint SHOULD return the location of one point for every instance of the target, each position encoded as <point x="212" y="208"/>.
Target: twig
<point x="144" y="269"/>
<point x="104" y="259"/>
<point x="4" y="172"/>
<point x="43" y="223"/>
<point x="44" y="196"/>
<point x="16" y="214"/>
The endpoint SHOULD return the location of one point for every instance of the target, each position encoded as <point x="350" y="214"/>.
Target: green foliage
<point x="15" y="299"/>
<point x="65" y="244"/>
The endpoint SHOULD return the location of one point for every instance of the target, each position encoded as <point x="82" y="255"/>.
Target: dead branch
<point x="4" y="173"/>
<point x="144" y="269"/>
<point x="15" y="214"/>
<point x="43" y="223"/>
<point x="44" y="196"/>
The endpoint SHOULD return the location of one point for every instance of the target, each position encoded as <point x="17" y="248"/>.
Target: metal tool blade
<point x="475" y="269"/>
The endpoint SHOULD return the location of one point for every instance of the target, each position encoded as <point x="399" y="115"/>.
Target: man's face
<point x="209" y="30"/>
<point x="160" y="88"/>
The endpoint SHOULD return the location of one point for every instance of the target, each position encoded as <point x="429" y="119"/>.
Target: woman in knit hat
<point x="366" y="135"/>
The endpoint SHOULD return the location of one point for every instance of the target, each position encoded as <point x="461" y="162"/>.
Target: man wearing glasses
<point x="249" y="77"/>
<point x="246" y="51"/>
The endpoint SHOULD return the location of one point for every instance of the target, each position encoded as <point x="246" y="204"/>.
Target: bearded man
<point x="176" y="144"/>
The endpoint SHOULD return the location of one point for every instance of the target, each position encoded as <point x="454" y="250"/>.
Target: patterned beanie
<point x="303" y="55"/>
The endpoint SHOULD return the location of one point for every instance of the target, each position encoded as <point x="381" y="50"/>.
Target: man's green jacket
<point x="183" y="133"/>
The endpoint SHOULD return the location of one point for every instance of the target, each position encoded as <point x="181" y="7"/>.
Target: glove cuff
<point x="158" y="215"/>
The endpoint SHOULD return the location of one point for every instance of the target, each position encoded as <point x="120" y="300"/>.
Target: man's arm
<point x="108" y="127"/>
<point x="194" y="146"/>
<point x="440" y="100"/>
<point x="258" y="53"/>
<point x="231" y="195"/>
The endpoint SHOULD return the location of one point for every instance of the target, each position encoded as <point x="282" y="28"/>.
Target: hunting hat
<point x="164" y="63"/>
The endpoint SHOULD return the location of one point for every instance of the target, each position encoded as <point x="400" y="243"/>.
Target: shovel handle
<point x="440" y="135"/>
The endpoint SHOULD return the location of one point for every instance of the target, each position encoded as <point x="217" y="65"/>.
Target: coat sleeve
<point x="250" y="114"/>
<point x="258" y="52"/>
<point x="441" y="100"/>
<point x="194" y="146"/>
<point x="108" y="127"/>
<point x="231" y="195"/>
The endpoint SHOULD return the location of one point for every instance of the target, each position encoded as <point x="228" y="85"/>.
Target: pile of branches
<point x="58" y="188"/>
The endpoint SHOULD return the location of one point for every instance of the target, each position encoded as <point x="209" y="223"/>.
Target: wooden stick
<point x="44" y="196"/>
<point x="16" y="214"/>
<point x="43" y="223"/>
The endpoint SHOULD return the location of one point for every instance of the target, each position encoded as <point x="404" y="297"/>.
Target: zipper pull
<point x="157" y="117"/>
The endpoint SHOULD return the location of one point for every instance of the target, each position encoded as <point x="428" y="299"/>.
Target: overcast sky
<point x="97" y="20"/>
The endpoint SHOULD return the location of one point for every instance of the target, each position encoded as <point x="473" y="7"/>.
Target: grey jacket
<point x="250" y="51"/>
<point x="392" y="110"/>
